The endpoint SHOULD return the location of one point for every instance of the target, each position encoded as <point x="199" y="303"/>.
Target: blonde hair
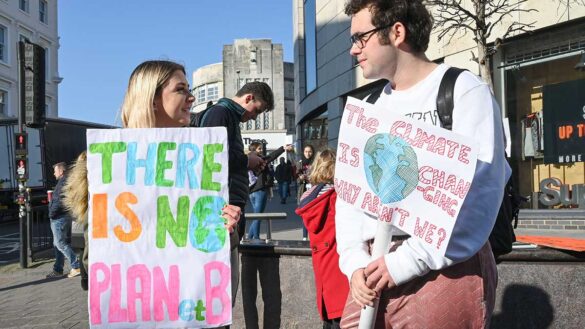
<point x="323" y="168"/>
<point x="145" y="83"/>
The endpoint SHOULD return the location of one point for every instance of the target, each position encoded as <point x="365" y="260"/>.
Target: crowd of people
<point x="388" y="39"/>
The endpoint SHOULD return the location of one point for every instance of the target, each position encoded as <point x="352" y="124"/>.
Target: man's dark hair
<point x="253" y="146"/>
<point x="261" y="92"/>
<point x="411" y="13"/>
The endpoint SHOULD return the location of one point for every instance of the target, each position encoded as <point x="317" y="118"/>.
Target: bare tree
<point x="566" y="5"/>
<point x="480" y="18"/>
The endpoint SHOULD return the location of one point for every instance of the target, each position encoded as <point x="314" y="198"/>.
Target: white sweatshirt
<point x="475" y="115"/>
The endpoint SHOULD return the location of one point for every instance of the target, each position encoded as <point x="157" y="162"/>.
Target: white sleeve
<point x="476" y="115"/>
<point x="352" y="250"/>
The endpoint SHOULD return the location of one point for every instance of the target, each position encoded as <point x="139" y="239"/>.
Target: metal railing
<point x="40" y="236"/>
<point x="269" y="216"/>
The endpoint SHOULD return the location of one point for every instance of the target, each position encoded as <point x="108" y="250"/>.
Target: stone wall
<point x="537" y="288"/>
<point x="558" y="219"/>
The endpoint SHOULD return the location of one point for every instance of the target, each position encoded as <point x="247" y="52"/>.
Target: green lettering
<point x="107" y="150"/>
<point x="210" y="166"/>
<point x="162" y="164"/>
<point x="166" y="223"/>
<point x="199" y="309"/>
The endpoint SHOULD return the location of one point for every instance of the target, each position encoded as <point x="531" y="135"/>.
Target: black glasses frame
<point x="361" y="39"/>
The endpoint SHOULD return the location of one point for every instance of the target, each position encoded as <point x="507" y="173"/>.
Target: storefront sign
<point x="564" y="122"/>
<point x="554" y="193"/>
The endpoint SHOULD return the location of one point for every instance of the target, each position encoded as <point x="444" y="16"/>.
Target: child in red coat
<point x="317" y="208"/>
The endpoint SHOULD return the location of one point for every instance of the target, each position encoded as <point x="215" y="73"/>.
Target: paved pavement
<point x="28" y="300"/>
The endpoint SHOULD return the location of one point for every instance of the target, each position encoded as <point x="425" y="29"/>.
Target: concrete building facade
<point x="523" y="67"/>
<point x="35" y="20"/>
<point x="244" y="61"/>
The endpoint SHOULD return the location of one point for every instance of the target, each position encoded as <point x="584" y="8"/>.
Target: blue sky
<point x="101" y="42"/>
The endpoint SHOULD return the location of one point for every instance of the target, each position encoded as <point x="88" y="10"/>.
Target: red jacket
<point x="318" y="213"/>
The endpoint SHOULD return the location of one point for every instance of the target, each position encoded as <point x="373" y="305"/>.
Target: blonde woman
<point x="158" y="95"/>
<point x="317" y="209"/>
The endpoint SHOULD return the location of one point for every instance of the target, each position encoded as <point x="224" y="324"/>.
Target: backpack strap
<point x="445" y="97"/>
<point x="375" y="95"/>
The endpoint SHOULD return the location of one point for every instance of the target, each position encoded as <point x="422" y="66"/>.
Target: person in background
<point x="258" y="191"/>
<point x="304" y="170"/>
<point x="283" y="176"/>
<point x="61" y="228"/>
<point x="264" y="180"/>
<point x="317" y="209"/>
<point x="416" y="286"/>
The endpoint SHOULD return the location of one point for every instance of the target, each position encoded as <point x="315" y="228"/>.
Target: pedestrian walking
<point x="283" y="175"/>
<point x="61" y="228"/>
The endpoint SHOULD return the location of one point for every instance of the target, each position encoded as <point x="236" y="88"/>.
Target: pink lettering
<point x="141" y="274"/>
<point x="96" y="288"/>
<point x="115" y="312"/>
<point x="218" y="291"/>
<point x="168" y="294"/>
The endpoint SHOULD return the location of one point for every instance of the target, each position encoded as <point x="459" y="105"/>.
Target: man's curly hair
<point x="412" y="13"/>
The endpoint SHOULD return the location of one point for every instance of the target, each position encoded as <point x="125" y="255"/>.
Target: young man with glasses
<point x="417" y="287"/>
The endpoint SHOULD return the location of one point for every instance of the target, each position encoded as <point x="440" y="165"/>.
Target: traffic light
<point x="21" y="169"/>
<point x="20" y="148"/>
<point x="32" y="68"/>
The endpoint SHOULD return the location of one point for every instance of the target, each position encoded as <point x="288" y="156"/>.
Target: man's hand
<point x="255" y="162"/>
<point x="232" y="216"/>
<point x="360" y="292"/>
<point x="378" y="277"/>
<point x="289" y="148"/>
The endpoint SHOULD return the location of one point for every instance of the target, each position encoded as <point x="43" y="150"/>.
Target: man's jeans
<point x="283" y="190"/>
<point x="61" y="228"/>
<point x="258" y="200"/>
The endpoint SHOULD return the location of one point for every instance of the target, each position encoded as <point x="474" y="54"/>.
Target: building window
<point x="2" y="43"/>
<point x="266" y="120"/>
<point x="46" y="64"/>
<point x="23" y="5"/>
<point x="3" y="103"/>
<point x="258" y="123"/>
<point x="249" y="125"/>
<point x="212" y="92"/>
<point x="201" y="94"/>
<point x="310" y="46"/>
<point x="43" y="11"/>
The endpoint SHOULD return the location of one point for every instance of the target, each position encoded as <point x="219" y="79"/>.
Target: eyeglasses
<point x="360" y="39"/>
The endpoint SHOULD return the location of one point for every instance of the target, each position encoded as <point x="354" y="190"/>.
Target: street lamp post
<point x="237" y="81"/>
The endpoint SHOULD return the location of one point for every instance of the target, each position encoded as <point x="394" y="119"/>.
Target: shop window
<point x="533" y="128"/>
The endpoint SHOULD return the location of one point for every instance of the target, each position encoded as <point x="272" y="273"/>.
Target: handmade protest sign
<point x="159" y="251"/>
<point x="404" y="172"/>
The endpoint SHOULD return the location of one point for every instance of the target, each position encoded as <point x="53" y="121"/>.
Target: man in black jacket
<point x="251" y="100"/>
<point x="61" y="227"/>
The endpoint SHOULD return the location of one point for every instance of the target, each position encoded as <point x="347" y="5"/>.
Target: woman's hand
<point x="360" y="292"/>
<point x="231" y="214"/>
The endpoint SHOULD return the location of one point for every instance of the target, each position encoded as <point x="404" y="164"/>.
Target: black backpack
<point x="502" y="236"/>
<point x="197" y="118"/>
